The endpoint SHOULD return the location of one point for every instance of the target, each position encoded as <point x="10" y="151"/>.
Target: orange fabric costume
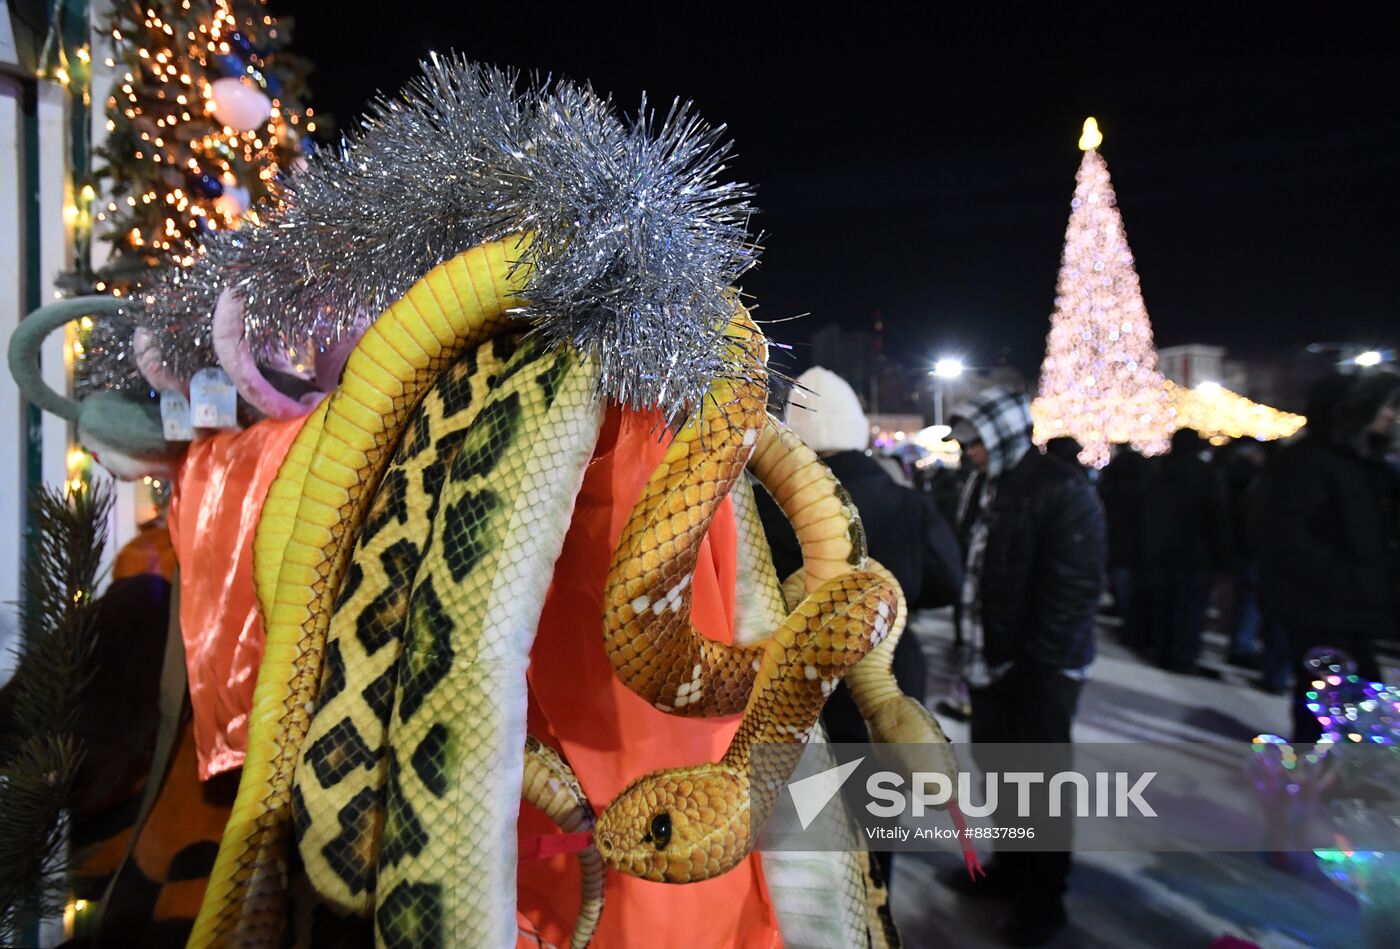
<point x="214" y="512"/>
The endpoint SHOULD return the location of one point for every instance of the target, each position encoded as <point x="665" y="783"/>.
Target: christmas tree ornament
<point x="207" y="185"/>
<point x="232" y="203"/>
<point x="239" y="104"/>
<point x="230" y="65"/>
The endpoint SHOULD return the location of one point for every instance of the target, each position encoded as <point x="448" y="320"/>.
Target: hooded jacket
<point x="1043" y="565"/>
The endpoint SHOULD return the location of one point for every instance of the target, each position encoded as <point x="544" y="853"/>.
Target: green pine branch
<point x="40" y="752"/>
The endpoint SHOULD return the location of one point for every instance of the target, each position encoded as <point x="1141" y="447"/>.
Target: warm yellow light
<point x="79" y="905"/>
<point x="1216" y="412"/>
<point x="76" y="457"/>
<point x="1091" y="138"/>
<point x="70" y="213"/>
<point x="86" y="322"/>
<point x="88" y="193"/>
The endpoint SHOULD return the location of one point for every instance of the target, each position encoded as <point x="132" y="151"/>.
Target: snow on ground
<point x="1142" y="899"/>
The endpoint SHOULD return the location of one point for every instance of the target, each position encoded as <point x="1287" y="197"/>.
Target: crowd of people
<point x="1297" y="545"/>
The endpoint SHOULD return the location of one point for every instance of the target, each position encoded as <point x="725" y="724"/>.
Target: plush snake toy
<point x="402" y="562"/>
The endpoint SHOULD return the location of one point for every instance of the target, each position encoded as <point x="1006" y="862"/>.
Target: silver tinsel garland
<point x="637" y="241"/>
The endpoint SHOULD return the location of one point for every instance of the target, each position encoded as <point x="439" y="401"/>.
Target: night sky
<point x="922" y="165"/>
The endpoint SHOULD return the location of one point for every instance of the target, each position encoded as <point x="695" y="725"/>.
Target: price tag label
<point x="175" y="417"/>
<point x="213" y="399"/>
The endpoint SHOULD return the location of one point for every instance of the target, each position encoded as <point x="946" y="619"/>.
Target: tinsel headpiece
<point x="637" y="243"/>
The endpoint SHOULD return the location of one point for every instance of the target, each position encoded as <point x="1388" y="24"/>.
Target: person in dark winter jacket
<point x="1185" y="545"/>
<point x="1034" y="539"/>
<point x="1329" y="538"/>
<point x="903" y="529"/>
<point x="1068" y="450"/>
<point x="1123" y="491"/>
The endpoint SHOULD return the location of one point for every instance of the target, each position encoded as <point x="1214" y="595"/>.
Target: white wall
<point x="55" y="256"/>
<point x="11" y="308"/>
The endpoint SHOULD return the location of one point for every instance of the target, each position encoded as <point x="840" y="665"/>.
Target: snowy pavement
<point x="1143" y="899"/>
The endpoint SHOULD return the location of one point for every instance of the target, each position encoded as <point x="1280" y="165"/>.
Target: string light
<point x="170" y="50"/>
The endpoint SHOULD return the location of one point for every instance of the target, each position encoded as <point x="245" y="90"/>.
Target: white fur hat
<point x="824" y="412"/>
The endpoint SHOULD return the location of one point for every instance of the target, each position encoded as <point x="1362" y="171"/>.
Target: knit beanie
<point x="824" y="412"/>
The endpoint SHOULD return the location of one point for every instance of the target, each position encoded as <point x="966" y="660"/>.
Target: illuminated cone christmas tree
<point x="1099" y="382"/>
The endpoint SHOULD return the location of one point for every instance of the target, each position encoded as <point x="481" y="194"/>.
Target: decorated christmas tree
<point x="1099" y="382"/>
<point x="203" y="118"/>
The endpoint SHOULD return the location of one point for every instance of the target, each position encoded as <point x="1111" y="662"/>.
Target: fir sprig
<point x="40" y="752"/>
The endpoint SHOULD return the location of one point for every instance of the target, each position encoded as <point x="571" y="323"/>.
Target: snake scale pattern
<point x="688" y="824"/>
<point x="401" y="599"/>
<point x="338" y="796"/>
<point x="459" y="713"/>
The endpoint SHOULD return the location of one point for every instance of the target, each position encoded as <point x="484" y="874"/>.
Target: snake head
<point x="677" y="826"/>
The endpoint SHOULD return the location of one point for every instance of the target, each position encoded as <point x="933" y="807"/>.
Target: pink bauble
<point x="233" y="202"/>
<point x="239" y="104"/>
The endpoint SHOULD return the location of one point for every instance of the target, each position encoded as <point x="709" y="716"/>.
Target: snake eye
<point x="661" y="830"/>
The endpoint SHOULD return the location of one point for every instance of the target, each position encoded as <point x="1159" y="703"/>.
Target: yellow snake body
<point x="338" y="794"/>
<point x="452" y="308"/>
<point x="688" y="824"/>
<point x="447" y="860"/>
<point x="647" y="629"/>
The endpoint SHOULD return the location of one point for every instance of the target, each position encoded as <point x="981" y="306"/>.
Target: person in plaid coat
<point x="1034" y="538"/>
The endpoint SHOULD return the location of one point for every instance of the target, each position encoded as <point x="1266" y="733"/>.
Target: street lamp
<point x="1368" y="358"/>
<point x="945" y="368"/>
<point x="948" y="368"/>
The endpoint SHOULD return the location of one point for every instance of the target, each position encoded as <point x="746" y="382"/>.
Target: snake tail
<point x="550" y="785"/>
